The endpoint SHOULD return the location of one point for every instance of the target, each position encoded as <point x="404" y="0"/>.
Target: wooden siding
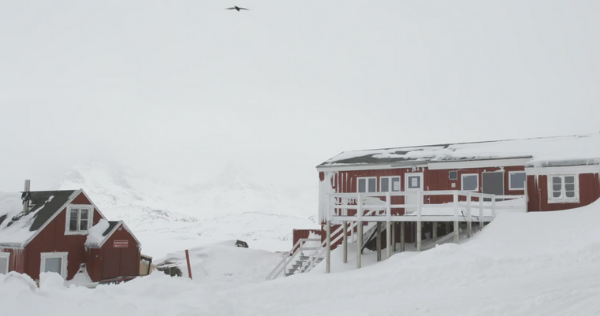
<point x="297" y="234"/>
<point x="117" y="262"/>
<point x="537" y="189"/>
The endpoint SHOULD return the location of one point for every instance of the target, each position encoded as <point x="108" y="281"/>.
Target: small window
<point x="389" y="184"/>
<point x="367" y="185"/>
<point x="470" y="182"/>
<point x="516" y="180"/>
<point x="453" y="175"/>
<point x="79" y="220"/>
<point x="4" y="256"/>
<point x="54" y="262"/>
<point x="563" y="189"/>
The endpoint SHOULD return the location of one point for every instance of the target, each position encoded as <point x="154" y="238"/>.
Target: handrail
<point x="285" y="259"/>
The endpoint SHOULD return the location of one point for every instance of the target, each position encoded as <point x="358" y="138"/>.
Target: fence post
<point x="469" y="219"/>
<point x="455" y="217"/>
<point x="187" y="258"/>
<point x="481" y="215"/>
<point x="419" y="223"/>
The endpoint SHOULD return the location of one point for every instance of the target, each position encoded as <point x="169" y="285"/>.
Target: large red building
<point x="63" y="232"/>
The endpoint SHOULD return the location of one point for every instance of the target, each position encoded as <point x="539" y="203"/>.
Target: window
<point x="389" y="184"/>
<point x="470" y="182"/>
<point x="79" y="219"/>
<point x="4" y="256"/>
<point x="516" y="180"/>
<point x="414" y="181"/>
<point x="54" y="262"/>
<point x="367" y="185"/>
<point x="453" y="175"/>
<point x="563" y="189"/>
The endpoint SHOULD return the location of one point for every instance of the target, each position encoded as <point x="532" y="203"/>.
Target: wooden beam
<point x="388" y="239"/>
<point x="394" y="236"/>
<point x="328" y="245"/>
<point x="359" y="241"/>
<point x="402" y="236"/>
<point x="434" y="226"/>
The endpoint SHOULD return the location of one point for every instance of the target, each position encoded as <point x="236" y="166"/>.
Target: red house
<point x="63" y="232"/>
<point x="422" y="192"/>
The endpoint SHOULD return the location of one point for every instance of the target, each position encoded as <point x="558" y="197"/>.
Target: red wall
<point x="119" y="261"/>
<point x="537" y="189"/>
<point x="17" y="259"/>
<point x="53" y="239"/>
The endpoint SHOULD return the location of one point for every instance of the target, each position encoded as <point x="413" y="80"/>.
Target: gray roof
<point x="16" y="225"/>
<point x="581" y="149"/>
<point x="111" y="226"/>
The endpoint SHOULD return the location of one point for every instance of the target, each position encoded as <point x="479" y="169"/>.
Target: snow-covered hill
<point x="169" y="216"/>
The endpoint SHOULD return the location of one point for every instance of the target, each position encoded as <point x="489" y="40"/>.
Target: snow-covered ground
<point x="521" y="264"/>
<point x="167" y="216"/>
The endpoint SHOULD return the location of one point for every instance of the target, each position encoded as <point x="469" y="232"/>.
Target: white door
<point x="413" y="182"/>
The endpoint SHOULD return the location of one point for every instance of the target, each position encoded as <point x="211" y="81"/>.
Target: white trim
<point x="462" y="182"/>
<point x="367" y="167"/>
<point x="510" y="188"/>
<point x="63" y="255"/>
<point x="566" y="170"/>
<point x="563" y="198"/>
<point x="366" y="184"/>
<point x="89" y="208"/>
<point x="487" y="163"/>
<point x="412" y="174"/>
<point x="389" y="180"/>
<point x="5" y="255"/>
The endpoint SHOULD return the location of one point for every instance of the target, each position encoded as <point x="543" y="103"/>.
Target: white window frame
<point x="389" y="181"/>
<point x="366" y="184"/>
<point x="90" y="209"/>
<point x="406" y="184"/>
<point x="50" y="255"/>
<point x="462" y="181"/>
<point x="510" y="187"/>
<point x="5" y="255"/>
<point x="563" y="198"/>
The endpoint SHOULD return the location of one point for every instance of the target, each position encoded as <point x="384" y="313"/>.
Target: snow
<point x="542" y="150"/>
<point x="18" y="232"/>
<point x="542" y="263"/>
<point x="95" y="237"/>
<point x="167" y="216"/>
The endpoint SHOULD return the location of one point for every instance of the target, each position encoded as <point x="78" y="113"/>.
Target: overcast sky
<point x="181" y="89"/>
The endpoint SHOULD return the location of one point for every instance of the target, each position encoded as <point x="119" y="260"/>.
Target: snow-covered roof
<point x="16" y="226"/>
<point x="100" y="232"/>
<point x="548" y="151"/>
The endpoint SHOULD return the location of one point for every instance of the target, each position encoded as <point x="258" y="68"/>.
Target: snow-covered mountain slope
<point x="169" y="216"/>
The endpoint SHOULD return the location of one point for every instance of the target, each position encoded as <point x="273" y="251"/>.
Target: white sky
<point x="180" y="89"/>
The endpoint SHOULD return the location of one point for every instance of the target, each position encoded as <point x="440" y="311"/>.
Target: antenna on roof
<point x="26" y="196"/>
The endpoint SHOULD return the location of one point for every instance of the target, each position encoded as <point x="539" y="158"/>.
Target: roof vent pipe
<point x="26" y="197"/>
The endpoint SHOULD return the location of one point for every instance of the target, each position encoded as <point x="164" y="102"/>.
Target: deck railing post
<point x="469" y="219"/>
<point x="455" y="195"/>
<point x="419" y="223"/>
<point x="481" y="212"/>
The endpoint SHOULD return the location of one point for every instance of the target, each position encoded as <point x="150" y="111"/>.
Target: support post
<point x="394" y="236"/>
<point x="328" y="249"/>
<point x="455" y="217"/>
<point x="378" y="241"/>
<point x="419" y="223"/>
<point x="469" y="219"/>
<point x="434" y="227"/>
<point x="359" y="241"/>
<point x="402" y="236"/>
<point x="493" y="207"/>
<point x="345" y="240"/>
<point x="388" y="238"/>
<point x="480" y="212"/>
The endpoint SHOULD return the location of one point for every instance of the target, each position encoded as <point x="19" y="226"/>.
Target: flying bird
<point x="237" y="8"/>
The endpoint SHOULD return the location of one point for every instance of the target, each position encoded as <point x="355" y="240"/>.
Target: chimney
<point x="26" y="196"/>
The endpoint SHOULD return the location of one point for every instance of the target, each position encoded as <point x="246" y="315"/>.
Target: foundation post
<point x="378" y="241"/>
<point x="328" y="253"/>
<point x="345" y="240"/>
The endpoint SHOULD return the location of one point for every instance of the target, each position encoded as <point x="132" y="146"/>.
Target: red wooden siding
<point x="297" y="234"/>
<point x="16" y="261"/>
<point x="53" y="239"/>
<point x="119" y="261"/>
<point x="537" y="189"/>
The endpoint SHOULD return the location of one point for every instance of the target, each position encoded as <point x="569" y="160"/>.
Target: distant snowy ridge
<point x="232" y="205"/>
